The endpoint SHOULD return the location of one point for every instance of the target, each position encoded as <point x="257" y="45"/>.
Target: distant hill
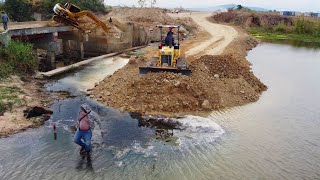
<point x="226" y="6"/>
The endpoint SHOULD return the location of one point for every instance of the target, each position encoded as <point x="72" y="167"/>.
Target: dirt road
<point x="221" y="35"/>
<point x="26" y="25"/>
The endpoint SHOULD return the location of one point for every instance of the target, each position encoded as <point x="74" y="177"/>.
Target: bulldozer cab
<point x="170" y="28"/>
<point x="168" y="59"/>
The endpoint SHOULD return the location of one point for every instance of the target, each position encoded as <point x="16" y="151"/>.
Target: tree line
<point x="22" y="10"/>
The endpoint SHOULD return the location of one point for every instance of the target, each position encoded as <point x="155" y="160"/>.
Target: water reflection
<point x="296" y="43"/>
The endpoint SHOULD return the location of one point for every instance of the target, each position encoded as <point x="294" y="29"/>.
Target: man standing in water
<point x="5" y="19"/>
<point x="85" y="126"/>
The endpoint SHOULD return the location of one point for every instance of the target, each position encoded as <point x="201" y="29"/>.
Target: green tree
<point x="1" y="6"/>
<point x="239" y="7"/>
<point x="92" y="5"/>
<point x="19" y="10"/>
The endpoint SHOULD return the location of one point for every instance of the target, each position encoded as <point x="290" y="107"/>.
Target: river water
<point x="277" y="137"/>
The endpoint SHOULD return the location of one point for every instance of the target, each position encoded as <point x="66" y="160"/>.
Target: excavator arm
<point x="94" y="18"/>
<point x="69" y="14"/>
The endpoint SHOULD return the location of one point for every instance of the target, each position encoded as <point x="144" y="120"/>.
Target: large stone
<point x="206" y="104"/>
<point x="36" y="111"/>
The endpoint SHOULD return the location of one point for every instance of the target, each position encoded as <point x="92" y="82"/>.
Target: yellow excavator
<point x="69" y="14"/>
<point x="169" y="57"/>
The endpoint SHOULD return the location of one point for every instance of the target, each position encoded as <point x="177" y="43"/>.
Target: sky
<point x="297" y="5"/>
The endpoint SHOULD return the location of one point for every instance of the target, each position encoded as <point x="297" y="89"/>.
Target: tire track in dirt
<point x="220" y="35"/>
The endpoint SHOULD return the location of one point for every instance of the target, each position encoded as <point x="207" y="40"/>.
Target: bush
<point x="18" y="58"/>
<point x="280" y="28"/>
<point x="1" y="7"/>
<point x="309" y="27"/>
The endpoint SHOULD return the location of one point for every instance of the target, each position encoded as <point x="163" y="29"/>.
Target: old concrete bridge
<point x="63" y="39"/>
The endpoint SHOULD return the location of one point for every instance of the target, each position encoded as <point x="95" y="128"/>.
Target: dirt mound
<point x="251" y="19"/>
<point x="142" y="15"/>
<point x="149" y="18"/>
<point x="216" y="82"/>
<point x="228" y="67"/>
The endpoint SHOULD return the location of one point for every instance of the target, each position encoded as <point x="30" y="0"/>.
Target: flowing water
<point x="277" y="137"/>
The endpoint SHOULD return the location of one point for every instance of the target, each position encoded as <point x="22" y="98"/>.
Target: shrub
<point x="303" y="26"/>
<point x="280" y="28"/>
<point x="18" y="58"/>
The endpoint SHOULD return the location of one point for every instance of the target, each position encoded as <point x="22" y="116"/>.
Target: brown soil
<point x="30" y="94"/>
<point x="168" y="93"/>
<point x="142" y="16"/>
<point x="252" y="19"/>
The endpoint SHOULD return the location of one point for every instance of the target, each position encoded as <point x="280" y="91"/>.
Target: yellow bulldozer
<point x="69" y="14"/>
<point x="169" y="56"/>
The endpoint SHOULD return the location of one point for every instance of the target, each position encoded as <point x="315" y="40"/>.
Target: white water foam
<point x="198" y="130"/>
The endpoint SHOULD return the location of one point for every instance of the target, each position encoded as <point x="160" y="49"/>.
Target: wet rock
<point x="206" y="104"/>
<point x="135" y="115"/>
<point x="36" y="111"/>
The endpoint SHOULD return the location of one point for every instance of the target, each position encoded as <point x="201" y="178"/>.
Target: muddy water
<point x="277" y="137"/>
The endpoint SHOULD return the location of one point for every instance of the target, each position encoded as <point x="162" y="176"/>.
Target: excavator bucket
<point x="145" y="70"/>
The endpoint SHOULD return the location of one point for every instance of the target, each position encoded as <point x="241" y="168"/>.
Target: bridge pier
<point x="81" y="49"/>
<point x="48" y="42"/>
<point x="51" y="59"/>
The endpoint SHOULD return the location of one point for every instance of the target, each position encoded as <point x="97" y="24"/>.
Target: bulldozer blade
<point x="145" y="70"/>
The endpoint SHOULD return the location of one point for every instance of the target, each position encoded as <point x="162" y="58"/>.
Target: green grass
<point x="271" y="34"/>
<point x="8" y="98"/>
<point x="17" y="58"/>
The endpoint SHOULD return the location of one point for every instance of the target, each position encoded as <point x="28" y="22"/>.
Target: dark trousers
<point x="5" y="25"/>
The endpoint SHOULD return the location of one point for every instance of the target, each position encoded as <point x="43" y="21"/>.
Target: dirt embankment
<point x="252" y="19"/>
<point x="149" y="18"/>
<point x="217" y="81"/>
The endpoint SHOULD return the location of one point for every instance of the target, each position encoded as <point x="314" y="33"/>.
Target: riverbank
<point x="18" y="99"/>
<point x="276" y="36"/>
<point x="217" y="81"/>
<point x="272" y="26"/>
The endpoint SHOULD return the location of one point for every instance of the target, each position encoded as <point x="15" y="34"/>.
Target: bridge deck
<point x="35" y="27"/>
